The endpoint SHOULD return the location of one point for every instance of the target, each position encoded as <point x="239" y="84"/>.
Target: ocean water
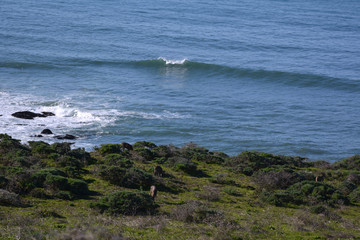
<point x="270" y="75"/>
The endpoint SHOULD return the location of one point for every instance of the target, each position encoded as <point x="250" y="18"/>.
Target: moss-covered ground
<point x="57" y="192"/>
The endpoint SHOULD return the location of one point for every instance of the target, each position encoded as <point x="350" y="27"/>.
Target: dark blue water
<point x="275" y="76"/>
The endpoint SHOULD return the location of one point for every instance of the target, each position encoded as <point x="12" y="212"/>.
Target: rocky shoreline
<point x="32" y="115"/>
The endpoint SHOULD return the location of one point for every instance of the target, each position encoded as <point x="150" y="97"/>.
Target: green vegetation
<point x="52" y="191"/>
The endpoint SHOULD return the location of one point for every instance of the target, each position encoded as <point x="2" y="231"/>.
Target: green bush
<point x="118" y="160"/>
<point x="3" y="181"/>
<point x="113" y="174"/>
<point x="197" y="212"/>
<point x="306" y="192"/>
<point x="279" y="198"/>
<point x="351" y="163"/>
<point x="40" y="147"/>
<point x="318" y="209"/>
<point x="130" y="178"/>
<point x="142" y="154"/>
<point x="40" y="193"/>
<point x="81" y="155"/>
<point x="137" y="178"/>
<point x="165" y="151"/>
<point x="182" y="164"/>
<point x="109" y="148"/>
<point x="8" y="144"/>
<point x="39" y="177"/>
<point x="346" y="187"/>
<point x="274" y="180"/>
<point x="56" y="182"/>
<point x="77" y="186"/>
<point x="355" y="195"/>
<point x="127" y="203"/>
<point x="249" y="162"/>
<point x="144" y="144"/>
<point x="232" y="192"/>
<point x="61" y="148"/>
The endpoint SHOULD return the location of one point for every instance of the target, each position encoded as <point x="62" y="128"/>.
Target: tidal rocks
<point x="31" y="115"/>
<point x="46" y="131"/>
<point x="67" y="137"/>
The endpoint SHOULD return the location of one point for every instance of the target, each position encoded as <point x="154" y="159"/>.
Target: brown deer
<point x="127" y="146"/>
<point x="158" y="171"/>
<point x="153" y="191"/>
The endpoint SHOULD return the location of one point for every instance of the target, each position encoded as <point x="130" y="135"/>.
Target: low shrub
<point x="3" y="181"/>
<point x="137" y="178"/>
<point x="354" y="196"/>
<point x="61" y="148"/>
<point x="77" y="186"/>
<point x="109" y="149"/>
<point x="40" y="193"/>
<point x="40" y="148"/>
<point x="249" y="162"/>
<point x="131" y="177"/>
<point x="182" y="164"/>
<point x="351" y="163"/>
<point x="222" y="179"/>
<point x="8" y="144"/>
<point x="113" y="174"/>
<point x="165" y="151"/>
<point x="38" y="178"/>
<point x="354" y="178"/>
<point x="346" y="187"/>
<point x="56" y="182"/>
<point x="127" y="203"/>
<point x="318" y="209"/>
<point x="232" y="192"/>
<point x="306" y="192"/>
<point x="269" y="181"/>
<point x="144" y="144"/>
<point x="209" y="194"/>
<point x="142" y="154"/>
<point x="118" y="160"/>
<point x="197" y="212"/>
<point x="10" y="199"/>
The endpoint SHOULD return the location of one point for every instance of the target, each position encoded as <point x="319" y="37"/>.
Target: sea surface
<point x="280" y="76"/>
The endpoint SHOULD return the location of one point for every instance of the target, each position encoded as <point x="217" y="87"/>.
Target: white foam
<point x="68" y="119"/>
<point x="173" y="62"/>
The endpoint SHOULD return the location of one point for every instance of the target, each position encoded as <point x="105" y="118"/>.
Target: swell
<point x="275" y="77"/>
<point x="200" y="69"/>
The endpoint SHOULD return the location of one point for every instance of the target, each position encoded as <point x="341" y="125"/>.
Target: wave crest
<point x="173" y="62"/>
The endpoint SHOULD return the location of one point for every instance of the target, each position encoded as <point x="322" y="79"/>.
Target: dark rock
<point x="31" y="115"/>
<point x="48" y="114"/>
<point x="67" y="136"/>
<point x="46" y="131"/>
<point x="37" y="136"/>
<point x="26" y="115"/>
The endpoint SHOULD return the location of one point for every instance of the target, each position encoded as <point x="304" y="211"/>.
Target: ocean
<point x="278" y="76"/>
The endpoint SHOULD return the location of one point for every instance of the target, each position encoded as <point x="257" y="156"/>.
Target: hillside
<point x="53" y="191"/>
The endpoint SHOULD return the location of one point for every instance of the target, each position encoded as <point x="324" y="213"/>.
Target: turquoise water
<point x="275" y="76"/>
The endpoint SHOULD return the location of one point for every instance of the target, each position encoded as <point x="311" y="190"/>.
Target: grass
<point x="217" y="200"/>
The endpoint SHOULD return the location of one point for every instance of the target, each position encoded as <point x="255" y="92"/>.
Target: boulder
<point x="46" y="131"/>
<point x="48" y="114"/>
<point x="31" y="115"/>
<point x="39" y="136"/>
<point x="67" y="136"/>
